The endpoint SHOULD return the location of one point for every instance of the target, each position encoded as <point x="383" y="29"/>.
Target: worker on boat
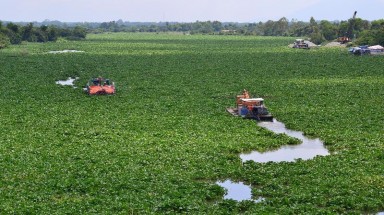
<point x="246" y="94"/>
<point x="96" y="81"/>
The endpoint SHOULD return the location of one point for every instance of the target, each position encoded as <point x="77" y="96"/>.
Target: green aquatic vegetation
<point x="162" y="141"/>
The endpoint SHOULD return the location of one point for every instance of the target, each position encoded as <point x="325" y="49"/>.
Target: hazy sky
<point x="188" y="10"/>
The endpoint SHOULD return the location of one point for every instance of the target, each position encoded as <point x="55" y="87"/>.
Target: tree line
<point x="12" y="33"/>
<point x="363" y="32"/>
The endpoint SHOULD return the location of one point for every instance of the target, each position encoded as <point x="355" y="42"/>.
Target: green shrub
<point x="4" y="41"/>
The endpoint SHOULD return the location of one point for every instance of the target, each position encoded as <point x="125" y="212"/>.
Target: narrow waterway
<point x="308" y="149"/>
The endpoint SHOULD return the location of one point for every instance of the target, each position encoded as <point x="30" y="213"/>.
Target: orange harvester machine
<point x="100" y="86"/>
<point x="252" y="107"/>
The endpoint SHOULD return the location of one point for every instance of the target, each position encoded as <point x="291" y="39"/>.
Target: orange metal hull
<point x="101" y="90"/>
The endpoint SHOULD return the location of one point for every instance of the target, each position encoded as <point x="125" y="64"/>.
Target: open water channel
<point x="308" y="149"/>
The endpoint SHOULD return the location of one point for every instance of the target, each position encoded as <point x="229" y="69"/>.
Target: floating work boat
<point x="100" y="86"/>
<point x="250" y="108"/>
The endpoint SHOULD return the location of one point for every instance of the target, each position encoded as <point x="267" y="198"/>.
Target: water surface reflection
<point x="308" y="149"/>
<point x="238" y="191"/>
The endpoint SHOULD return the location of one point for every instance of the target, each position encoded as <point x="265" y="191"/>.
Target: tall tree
<point x="378" y="24"/>
<point x="373" y="36"/>
<point x="79" y="32"/>
<point x="27" y="33"/>
<point x="217" y="26"/>
<point x="328" y="30"/>
<point x="4" y="40"/>
<point x="13" y="32"/>
<point x="298" y="28"/>
<point x="52" y="33"/>
<point x="281" y="27"/>
<point x="315" y="33"/>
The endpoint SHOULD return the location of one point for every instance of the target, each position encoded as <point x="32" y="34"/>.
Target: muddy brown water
<point x="308" y="149"/>
<point x="238" y="191"/>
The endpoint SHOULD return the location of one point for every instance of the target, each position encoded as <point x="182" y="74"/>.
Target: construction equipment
<point x="349" y="34"/>
<point x="250" y="108"/>
<point x="100" y="86"/>
<point x="344" y="40"/>
<point x="300" y="44"/>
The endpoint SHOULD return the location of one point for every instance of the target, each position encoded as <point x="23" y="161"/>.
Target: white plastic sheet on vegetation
<point x="64" y="51"/>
